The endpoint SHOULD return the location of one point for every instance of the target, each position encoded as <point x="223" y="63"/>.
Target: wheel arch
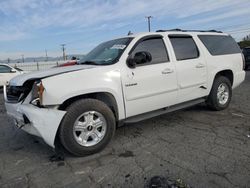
<point x="226" y="73"/>
<point x="105" y="97"/>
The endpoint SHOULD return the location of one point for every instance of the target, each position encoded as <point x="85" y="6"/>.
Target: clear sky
<point x="30" y="26"/>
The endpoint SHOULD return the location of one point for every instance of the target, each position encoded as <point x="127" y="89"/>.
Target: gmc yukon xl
<point x="122" y="81"/>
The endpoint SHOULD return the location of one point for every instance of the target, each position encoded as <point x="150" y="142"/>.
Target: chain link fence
<point x="36" y="66"/>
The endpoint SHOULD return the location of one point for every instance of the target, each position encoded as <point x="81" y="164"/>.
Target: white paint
<point x="44" y="121"/>
<point x="142" y="89"/>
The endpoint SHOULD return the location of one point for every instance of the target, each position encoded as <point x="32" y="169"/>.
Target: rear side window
<point x="184" y="47"/>
<point x="220" y="45"/>
<point x="156" y="47"/>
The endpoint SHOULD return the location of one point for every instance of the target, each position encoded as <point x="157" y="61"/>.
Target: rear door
<point x="152" y="85"/>
<point x="190" y="66"/>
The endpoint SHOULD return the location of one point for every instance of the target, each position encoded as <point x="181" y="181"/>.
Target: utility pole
<point x="63" y="49"/>
<point x="149" y="22"/>
<point x="8" y="60"/>
<point x="46" y="53"/>
<point x="23" y="58"/>
<point x="130" y="33"/>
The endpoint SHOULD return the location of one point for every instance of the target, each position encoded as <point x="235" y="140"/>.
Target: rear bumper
<point x="42" y="122"/>
<point x="239" y="77"/>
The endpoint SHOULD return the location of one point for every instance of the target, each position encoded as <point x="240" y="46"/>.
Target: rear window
<point x="184" y="47"/>
<point x="220" y="45"/>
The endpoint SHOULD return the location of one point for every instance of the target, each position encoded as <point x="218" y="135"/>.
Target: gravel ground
<point x="201" y="147"/>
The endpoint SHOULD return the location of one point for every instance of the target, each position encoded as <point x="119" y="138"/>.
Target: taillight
<point x="244" y="61"/>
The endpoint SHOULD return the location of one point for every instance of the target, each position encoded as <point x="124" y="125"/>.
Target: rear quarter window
<point x="220" y="45"/>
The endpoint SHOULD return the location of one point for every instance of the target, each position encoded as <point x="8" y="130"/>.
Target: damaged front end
<point x="24" y="105"/>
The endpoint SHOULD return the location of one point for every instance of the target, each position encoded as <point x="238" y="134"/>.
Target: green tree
<point x="245" y="42"/>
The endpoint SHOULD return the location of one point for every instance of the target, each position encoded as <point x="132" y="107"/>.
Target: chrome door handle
<point x="167" y="71"/>
<point x="200" y="65"/>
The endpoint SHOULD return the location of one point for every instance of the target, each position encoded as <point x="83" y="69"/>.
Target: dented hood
<point x="21" y="79"/>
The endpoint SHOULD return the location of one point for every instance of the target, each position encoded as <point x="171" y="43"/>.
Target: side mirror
<point x="142" y="57"/>
<point x="13" y="71"/>
<point x="139" y="58"/>
<point x="131" y="63"/>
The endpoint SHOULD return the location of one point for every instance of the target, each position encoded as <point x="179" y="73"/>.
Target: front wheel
<point x="87" y="127"/>
<point x="221" y="94"/>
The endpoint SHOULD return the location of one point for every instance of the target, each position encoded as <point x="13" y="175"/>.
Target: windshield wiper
<point x="89" y="63"/>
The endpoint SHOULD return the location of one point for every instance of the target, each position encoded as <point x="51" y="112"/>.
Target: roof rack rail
<point x="180" y="30"/>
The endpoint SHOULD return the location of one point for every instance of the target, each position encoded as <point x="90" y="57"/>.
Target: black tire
<point x="212" y="100"/>
<point x="66" y="133"/>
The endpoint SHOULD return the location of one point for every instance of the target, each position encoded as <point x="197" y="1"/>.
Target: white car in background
<point x="7" y="73"/>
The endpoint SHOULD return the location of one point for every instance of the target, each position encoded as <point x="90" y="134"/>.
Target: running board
<point x="162" y="111"/>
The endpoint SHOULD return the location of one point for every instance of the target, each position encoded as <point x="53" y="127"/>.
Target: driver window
<point x="4" y="69"/>
<point x="156" y="47"/>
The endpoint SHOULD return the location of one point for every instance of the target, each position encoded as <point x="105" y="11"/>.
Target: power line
<point x="239" y="30"/>
<point x="225" y="27"/>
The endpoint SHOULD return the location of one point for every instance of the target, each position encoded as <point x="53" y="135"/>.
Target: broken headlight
<point x="37" y="93"/>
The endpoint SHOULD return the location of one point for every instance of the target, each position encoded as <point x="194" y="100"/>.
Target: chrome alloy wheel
<point x="223" y="94"/>
<point x="89" y="128"/>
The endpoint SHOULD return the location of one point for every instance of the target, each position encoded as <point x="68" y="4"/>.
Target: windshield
<point x="106" y="53"/>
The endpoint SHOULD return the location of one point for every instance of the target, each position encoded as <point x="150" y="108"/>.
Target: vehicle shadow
<point x="200" y="107"/>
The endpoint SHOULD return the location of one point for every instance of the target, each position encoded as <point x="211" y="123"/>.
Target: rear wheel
<point x="87" y="127"/>
<point x="221" y="94"/>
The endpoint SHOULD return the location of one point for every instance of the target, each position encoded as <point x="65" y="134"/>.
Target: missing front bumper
<point x="42" y="122"/>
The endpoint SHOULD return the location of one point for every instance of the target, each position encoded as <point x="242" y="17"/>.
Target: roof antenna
<point x="130" y="33"/>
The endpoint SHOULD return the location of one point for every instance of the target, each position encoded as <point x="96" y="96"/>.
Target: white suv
<point x="125" y="80"/>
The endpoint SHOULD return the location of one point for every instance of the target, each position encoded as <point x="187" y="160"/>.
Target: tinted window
<point x="155" y="47"/>
<point x="184" y="47"/>
<point x="4" y="69"/>
<point x="220" y="45"/>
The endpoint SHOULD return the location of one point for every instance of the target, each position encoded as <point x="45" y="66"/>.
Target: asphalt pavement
<point x="199" y="147"/>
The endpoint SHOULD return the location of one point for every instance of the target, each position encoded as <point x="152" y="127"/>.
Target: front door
<point x="152" y="85"/>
